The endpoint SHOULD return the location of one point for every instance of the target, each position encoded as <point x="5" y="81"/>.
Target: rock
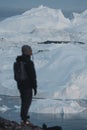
<point x="60" y="42"/>
<point x="51" y="128"/>
<point x="12" y="125"/>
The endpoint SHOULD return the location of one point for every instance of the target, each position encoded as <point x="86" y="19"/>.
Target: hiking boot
<point x="26" y="123"/>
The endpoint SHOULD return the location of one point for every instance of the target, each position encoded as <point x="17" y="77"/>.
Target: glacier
<point x="61" y="68"/>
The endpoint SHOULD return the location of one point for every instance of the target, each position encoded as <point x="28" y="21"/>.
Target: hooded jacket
<point x="29" y="66"/>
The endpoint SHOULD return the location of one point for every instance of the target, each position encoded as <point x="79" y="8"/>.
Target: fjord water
<point x="10" y="109"/>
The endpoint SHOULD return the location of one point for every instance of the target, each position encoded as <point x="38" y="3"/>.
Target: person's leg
<point x="26" y="98"/>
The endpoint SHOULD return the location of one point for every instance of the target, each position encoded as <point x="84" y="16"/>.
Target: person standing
<point x="27" y="86"/>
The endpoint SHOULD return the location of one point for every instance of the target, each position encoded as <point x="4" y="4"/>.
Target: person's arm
<point x="32" y="76"/>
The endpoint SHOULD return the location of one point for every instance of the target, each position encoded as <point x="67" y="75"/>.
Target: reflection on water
<point x="9" y="109"/>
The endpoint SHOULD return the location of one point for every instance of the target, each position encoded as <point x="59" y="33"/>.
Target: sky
<point x="25" y="4"/>
<point x="11" y="7"/>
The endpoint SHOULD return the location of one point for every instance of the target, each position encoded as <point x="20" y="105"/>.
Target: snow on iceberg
<point x="64" y="62"/>
<point x="41" y="17"/>
<point x="78" y="27"/>
<point x="80" y="18"/>
<point x="55" y="106"/>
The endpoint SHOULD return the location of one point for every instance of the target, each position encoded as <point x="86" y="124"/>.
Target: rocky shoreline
<point x="12" y="125"/>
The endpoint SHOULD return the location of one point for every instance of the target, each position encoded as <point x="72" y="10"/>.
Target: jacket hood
<point x="24" y="58"/>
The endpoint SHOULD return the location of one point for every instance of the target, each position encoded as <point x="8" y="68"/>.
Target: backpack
<point x="20" y="73"/>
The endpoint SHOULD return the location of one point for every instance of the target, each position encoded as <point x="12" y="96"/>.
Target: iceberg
<point x="61" y="68"/>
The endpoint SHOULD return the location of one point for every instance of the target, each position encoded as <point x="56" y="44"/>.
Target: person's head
<point x="26" y="50"/>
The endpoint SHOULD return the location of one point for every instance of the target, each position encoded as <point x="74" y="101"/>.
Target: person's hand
<point x="35" y="91"/>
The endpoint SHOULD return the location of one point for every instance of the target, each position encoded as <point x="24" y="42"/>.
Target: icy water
<point x="9" y="109"/>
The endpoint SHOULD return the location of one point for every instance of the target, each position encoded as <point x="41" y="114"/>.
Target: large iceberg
<point x="61" y="68"/>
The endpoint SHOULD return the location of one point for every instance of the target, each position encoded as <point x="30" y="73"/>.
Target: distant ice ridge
<point x="61" y="68"/>
<point x="53" y="106"/>
<point x="44" y="23"/>
<point x="41" y="17"/>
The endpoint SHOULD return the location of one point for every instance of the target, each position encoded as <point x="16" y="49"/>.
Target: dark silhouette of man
<point x="26" y="87"/>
